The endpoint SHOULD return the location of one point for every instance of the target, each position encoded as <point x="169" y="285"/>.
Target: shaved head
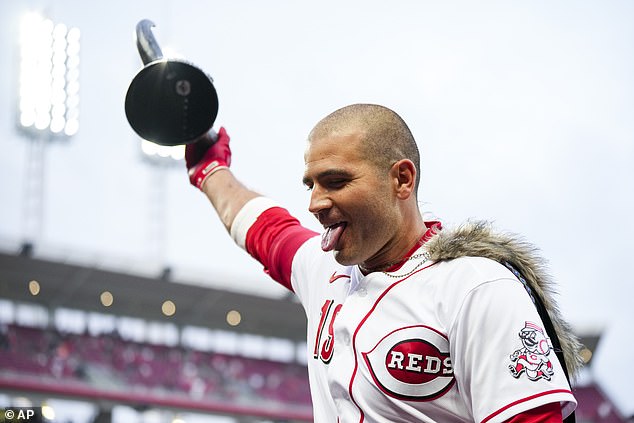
<point x="386" y="137"/>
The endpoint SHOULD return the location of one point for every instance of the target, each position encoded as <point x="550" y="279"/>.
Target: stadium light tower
<point x="49" y="77"/>
<point x="48" y="105"/>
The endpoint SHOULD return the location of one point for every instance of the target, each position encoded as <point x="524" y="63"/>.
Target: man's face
<point x="351" y="198"/>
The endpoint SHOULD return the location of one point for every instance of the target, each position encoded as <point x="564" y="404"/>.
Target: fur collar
<point x="478" y="239"/>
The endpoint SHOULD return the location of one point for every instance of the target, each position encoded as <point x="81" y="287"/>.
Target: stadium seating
<point x="110" y="363"/>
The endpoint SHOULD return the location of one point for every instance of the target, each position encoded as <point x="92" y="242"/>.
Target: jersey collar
<point x="433" y="227"/>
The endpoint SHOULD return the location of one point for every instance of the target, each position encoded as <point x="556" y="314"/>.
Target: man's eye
<point x="337" y="183"/>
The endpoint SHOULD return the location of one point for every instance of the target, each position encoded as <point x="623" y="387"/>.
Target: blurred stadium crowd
<point x="107" y="366"/>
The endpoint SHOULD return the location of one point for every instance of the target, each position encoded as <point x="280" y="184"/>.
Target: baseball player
<point x="407" y="321"/>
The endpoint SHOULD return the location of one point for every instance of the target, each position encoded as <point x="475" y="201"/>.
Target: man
<point x="406" y="321"/>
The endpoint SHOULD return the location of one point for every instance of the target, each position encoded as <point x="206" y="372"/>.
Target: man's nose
<point x="319" y="201"/>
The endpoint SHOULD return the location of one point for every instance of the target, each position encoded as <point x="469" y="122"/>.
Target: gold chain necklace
<point x="425" y="255"/>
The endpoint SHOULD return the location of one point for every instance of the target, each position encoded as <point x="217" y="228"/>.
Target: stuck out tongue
<point x="330" y="238"/>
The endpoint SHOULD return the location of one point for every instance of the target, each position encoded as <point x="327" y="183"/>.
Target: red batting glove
<point x="203" y="160"/>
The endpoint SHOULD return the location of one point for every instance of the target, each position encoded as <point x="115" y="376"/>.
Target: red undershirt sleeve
<point x="547" y="413"/>
<point x="272" y="236"/>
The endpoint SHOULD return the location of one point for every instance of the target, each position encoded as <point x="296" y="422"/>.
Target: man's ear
<point x="403" y="174"/>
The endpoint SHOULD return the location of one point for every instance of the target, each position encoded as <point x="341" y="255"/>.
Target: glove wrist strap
<point x="199" y="174"/>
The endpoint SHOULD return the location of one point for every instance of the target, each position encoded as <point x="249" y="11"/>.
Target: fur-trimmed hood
<point x="478" y="239"/>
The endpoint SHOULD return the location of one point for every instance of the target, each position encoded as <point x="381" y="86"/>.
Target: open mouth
<point x="331" y="236"/>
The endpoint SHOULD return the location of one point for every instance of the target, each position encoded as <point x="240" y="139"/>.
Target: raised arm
<point x="266" y="231"/>
<point x="208" y="168"/>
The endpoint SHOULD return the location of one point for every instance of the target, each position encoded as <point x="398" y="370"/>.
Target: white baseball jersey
<point x="454" y="341"/>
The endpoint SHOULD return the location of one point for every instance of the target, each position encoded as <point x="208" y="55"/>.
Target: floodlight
<point x="162" y="154"/>
<point x="49" y="77"/>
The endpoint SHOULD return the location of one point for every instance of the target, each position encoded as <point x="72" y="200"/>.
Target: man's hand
<point x="203" y="160"/>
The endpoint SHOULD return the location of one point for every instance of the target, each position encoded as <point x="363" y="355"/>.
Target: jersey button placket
<point x="340" y="367"/>
<point x="371" y="285"/>
<point x="345" y="338"/>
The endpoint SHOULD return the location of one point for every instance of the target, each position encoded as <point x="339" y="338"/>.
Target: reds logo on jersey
<point x="532" y="359"/>
<point x="412" y="363"/>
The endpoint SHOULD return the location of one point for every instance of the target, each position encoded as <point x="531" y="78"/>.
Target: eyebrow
<point x="327" y="173"/>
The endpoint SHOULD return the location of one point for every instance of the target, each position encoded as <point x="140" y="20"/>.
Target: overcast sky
<point x="523" y="112"/>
